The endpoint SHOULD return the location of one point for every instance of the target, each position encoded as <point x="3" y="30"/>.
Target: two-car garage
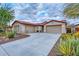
<point x="54" y="29"/>
<point x="55" y="26"/>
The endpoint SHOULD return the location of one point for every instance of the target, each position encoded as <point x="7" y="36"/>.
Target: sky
<point x="39" y="12"/>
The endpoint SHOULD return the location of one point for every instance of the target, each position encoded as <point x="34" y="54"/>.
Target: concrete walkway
<point x="38" y="44"/>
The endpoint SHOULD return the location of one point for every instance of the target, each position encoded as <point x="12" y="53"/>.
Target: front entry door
<point x="39" y="29"/>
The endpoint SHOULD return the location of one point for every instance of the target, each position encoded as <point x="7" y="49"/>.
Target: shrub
<point x="67" y="37"/>
<point x="10" y="34"/>
<point x="65" y="48"/>
<point x="76" y="35"/>
<point x="69" y="48"/>
<point x="69" y="45"/>
<point x="2" y="34"/>
<point x="1" y="30"/>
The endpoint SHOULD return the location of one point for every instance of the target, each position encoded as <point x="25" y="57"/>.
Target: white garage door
<point x="54" y="29"/>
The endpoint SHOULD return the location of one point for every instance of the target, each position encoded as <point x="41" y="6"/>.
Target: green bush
<point x="65" y="37"/>
<point x="1" y="30"/>
<point x="76" y="35"/>
<point x="10" y="34"/>
<point x="2" y="34"/>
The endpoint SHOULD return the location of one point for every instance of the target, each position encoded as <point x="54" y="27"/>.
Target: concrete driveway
<point x="38" y="44"/>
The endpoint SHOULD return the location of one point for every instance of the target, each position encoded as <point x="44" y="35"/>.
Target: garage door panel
<point x="54" y="29"/>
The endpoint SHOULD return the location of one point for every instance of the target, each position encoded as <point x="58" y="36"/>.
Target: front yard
<point x="67" y="45"/>
<point x="9" y="36"/>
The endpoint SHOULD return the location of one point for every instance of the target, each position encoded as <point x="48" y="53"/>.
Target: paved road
<point x="38" y="44"/>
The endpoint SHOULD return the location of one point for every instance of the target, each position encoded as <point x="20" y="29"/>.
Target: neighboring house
<point x="72" y="28"/>
<point x="52" y="26"/>
<point x="68" y="29"/>
<point x="77" y="28"/>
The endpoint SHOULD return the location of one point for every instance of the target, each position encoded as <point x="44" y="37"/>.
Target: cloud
<point x="37" y="11"/>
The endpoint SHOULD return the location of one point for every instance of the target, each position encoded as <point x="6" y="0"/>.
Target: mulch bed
<point x="54" y="50"/>
<point x="17" y="37"/>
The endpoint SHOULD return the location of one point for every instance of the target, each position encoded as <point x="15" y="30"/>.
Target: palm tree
<point x="72" y="10"/>
<point x="6" y="15"/>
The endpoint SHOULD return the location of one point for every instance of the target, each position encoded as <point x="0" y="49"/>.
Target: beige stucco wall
<point x="24" y="28"/>
<point x="54" y="23"/>
<point x="29" y="29"/>
<point x="21" y="28"/>
<point x="63" y="28"/>
<point x="44" y="28"/>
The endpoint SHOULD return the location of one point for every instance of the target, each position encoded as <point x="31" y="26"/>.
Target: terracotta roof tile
<point x="40" y="24"/>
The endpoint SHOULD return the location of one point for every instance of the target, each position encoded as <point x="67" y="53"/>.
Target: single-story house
<point x="52" y="26"/>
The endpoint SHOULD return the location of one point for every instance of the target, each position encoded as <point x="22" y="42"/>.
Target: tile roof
<point x="40" y="24"/>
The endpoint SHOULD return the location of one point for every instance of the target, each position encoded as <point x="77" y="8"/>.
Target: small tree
<point x="6" y="15"/>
